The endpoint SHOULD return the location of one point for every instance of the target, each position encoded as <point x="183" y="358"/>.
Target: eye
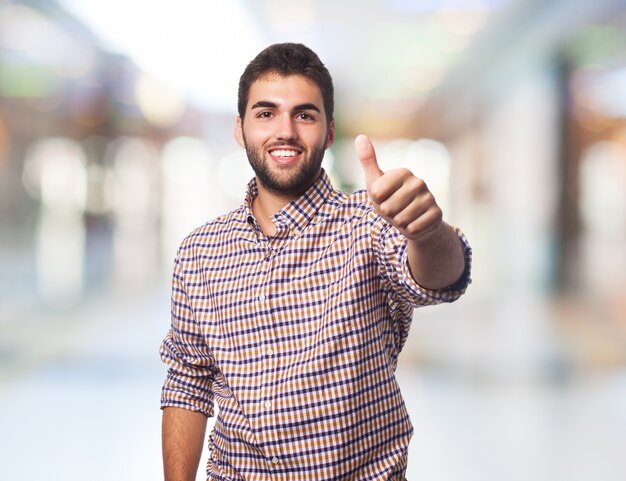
<point x="266" y="114"/>
<point x="305" y="116"/>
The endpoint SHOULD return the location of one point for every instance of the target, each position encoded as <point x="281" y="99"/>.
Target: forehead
<point x="285" y="91"/>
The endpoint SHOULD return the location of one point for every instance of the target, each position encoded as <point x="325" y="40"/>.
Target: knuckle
<point x="429" y="200"/>
<point x="404" y="172"/>
<point x="386" y="210"/>
<point x="401" y="221"/>
<point x="438" y="214"/>
<point x="413" y="229"/>
<point x="376" y="196"/>
<point x="376" y="193"/>
<point x="415" y="185"/>
<point x="419" y="184"/>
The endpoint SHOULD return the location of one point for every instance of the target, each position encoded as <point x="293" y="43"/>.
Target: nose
<point x="286" y="130"/>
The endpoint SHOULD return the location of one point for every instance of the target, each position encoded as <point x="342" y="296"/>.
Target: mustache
<point x="286" y="143"/>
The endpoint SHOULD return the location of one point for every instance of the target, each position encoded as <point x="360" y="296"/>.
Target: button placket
<point x="266" y="402"/>
<point x="269" y="363"/>
<point x="261" y="294"/>
<point x="263" y="303"/>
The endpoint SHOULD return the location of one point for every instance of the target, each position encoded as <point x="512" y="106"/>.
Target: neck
<point x="266" y="204"/>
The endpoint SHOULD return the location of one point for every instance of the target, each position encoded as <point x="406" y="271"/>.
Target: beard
<point x="286" y="182"/>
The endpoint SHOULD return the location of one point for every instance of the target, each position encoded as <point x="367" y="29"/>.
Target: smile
<point x="284" y="153"/>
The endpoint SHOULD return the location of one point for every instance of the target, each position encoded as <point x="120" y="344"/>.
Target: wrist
<point x="433" y="237"/>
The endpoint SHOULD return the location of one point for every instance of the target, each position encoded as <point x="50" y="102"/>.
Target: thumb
<point x="367" y="157"/>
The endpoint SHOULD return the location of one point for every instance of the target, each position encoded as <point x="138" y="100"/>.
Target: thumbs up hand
<point x="400" y="197"/>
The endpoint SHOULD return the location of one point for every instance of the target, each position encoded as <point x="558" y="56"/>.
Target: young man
<point x="290" y="311"/>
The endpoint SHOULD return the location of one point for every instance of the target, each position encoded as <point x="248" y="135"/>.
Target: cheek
<point x="257" y="135"/>
<point x="315" y="137"/>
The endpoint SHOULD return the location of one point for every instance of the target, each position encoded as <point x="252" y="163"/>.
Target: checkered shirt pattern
<point x="296" y="338"/>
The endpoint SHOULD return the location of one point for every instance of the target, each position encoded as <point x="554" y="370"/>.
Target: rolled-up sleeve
<point x="184" y="350"/>
<point x="390" y="250"/>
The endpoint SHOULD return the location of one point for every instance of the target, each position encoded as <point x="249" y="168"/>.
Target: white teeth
<point x="284" y="153"/>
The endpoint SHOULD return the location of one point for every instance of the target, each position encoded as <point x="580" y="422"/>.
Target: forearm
<point x="182" y="437"/>
<point x="438" y="261"/>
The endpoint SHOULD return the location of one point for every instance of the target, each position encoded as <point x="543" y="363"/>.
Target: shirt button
<point x="261" y="297"/>
<point x="268" y="404"/>
<point x="274" y="460"/>
<point x="270" y="352"/>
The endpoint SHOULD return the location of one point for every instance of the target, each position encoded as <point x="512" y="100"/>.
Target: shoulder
<point x="214" y="233"/>
<point x="341" y="204"/>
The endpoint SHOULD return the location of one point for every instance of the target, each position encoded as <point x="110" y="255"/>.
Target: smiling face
<point x="285" y="133"/>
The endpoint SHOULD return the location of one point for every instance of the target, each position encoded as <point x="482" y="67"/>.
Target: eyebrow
<point x="272" y="105"/>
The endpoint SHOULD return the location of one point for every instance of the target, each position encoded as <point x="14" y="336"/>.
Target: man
<point x="290" y="311"/>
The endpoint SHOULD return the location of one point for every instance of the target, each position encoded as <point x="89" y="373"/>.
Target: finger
<point x="425" y="224"/>
<point x="397" y="202"/>
<point x="398" y="186"/>
<point x="409" y="214"/>
<point x="367" y="157"/>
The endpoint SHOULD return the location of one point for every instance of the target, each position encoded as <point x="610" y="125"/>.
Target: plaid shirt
<point x="296" y="338"/>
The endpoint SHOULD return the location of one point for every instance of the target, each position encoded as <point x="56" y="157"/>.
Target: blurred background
<point x="116" y="139"/>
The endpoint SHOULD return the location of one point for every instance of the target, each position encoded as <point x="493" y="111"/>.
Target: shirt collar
<point x="298" y="213"/>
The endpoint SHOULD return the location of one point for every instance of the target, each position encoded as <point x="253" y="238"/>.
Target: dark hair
<point x="287" y="59"/>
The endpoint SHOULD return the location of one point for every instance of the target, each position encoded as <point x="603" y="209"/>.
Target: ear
<point x="331" y="134"/>
<point x="239" y="132"/>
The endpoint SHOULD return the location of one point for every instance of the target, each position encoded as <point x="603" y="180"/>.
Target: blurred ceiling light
<point x="131" y="193"/>
<point x="54" y="171"/>
<point x="161" y="105"/>
<point x="185" y="161"/>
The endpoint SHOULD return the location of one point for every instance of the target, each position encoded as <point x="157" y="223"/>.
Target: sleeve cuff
<point x="189" y="393"/>
<point x="446" y="294"/>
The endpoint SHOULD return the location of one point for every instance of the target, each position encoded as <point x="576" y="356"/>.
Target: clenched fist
<point x="400" y="197"/>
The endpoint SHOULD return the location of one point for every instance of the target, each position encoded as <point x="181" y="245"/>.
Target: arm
<point x="187" y="396"/>
<point x="435" y="254"/>
<point x="182" y="436"/>
<point x="439" y="261"/>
